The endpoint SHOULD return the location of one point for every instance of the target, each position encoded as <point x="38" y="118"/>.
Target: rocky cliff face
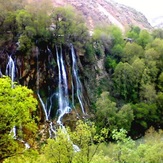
<point x="98" y="12"/>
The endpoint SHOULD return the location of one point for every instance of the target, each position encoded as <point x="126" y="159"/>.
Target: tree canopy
<point x="17" y="107"/>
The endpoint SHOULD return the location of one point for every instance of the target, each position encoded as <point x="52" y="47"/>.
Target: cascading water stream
<point x="63" y="98"/>
<point x="62" y="95"/>
<point x="46" y="108"/>
<point x="46" y="112"/>
<point x="10" y="70"/>
<point x="76" y="79"/>
<point x="1" y="73"/>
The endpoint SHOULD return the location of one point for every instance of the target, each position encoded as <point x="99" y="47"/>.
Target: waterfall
<point x="1" y="73"/>
<point x="44" y="106"/>
<point x="63" y="98"/>
<point x="10" y="69"/>
<point x="76" y="80"/>
<point x="47" y="105"/>
<point x="62" y="94"/>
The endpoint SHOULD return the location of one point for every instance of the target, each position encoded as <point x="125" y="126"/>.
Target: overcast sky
<point x="150" y="8"/>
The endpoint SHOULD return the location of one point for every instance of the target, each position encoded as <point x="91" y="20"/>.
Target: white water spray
<point x="76" y="79"/>
<point x="46" y="108"/>
<point x="63" y="98"/>
<point x="10" y="70"/>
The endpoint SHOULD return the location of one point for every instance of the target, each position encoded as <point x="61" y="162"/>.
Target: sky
<point x="150" y="8"/>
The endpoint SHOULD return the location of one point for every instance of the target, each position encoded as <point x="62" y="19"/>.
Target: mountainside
<point x="98" y="12"/>
<point x="67" y="91"/>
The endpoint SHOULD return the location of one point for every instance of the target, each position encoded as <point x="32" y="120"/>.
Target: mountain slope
<point x="107" y="12"/>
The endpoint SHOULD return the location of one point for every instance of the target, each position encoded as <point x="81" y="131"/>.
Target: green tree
<point x="34" y="23"/>
<point x="151" y="59"/>
<point x="160" y="82"/>
<point x="25" y="43"/>
<point x="110" y="117"/>
<point x="110" y="38"/>
<point x="124" y="81"/>
<point x="124" y="149"/>
<point x="144" y="38"/>
<point x="110" y="63"/>
<point x="151" y="54"/>
<point x="131" y="52"/>
<point x="157" y="33"/>
<point x="72" y="146"/>
<point x="143" y="151"/>
<point x="138" y="69"/>
<point x="125" y="116"/>
<point x="16" y="107"/>
<point x="89" y="56"/>
<point x="106" y="112"/>
<point x="103" y="41"/>
<point x="28" y="156"/>
<point x="69" y="26"/>
<point x="159" y="102"/>
<point x="59" y="149"/>
<point x="148" y="93"/>
<point x="145" y="115"/>
<point x="116" y="34"/>
<point x="133" y="33"/>
<point x="156" y="44"/>
<point x="24" y="19"/>
<point x="151" y="151"/>
<point x="83" y="136"/>
<point x="41" y="20"/>
<point x="9" y="7"/>
<point x="8" y="25"/>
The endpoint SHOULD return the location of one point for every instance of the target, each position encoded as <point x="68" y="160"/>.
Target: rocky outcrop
<point x="98" y="12"/>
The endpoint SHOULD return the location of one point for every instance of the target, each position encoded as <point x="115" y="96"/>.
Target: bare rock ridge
<point x="98" y="12"/>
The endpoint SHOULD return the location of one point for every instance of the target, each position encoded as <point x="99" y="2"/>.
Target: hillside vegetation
<point x="122" y="74"/>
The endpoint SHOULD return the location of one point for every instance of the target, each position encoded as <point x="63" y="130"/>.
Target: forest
<point x="125" y="108"/>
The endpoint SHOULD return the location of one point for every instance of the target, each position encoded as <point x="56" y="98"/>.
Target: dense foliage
<point x="127" y="99"/>
<point x="134" y="67"/>
<point x="60" y="150"/>
<point x="17" y="105"/>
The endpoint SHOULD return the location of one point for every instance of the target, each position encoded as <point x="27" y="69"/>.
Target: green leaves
<point x="145" y="115"/>
<point x="131" y="51"/>
<point x="59" y="149"/>
<point x="124" y="80"/>
<point x="16" y="107"/>
<point x="23" y="19"/>
<point x="69" y="26"/>
<point x="110" y="117"/>
<point x="110" y="39"/>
